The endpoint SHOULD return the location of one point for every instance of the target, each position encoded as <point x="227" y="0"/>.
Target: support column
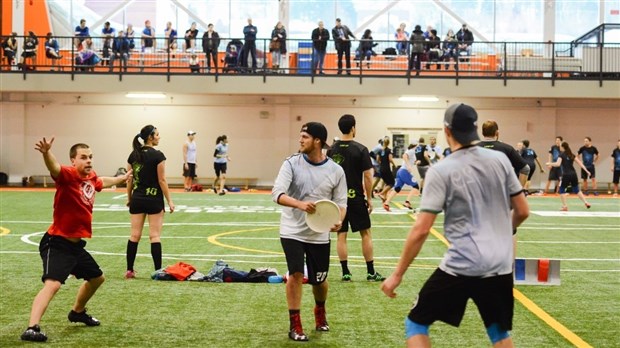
<point x="13" y="143"/>
<point x="549" y="25"/>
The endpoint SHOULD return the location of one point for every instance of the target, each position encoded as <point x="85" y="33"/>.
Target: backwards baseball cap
<point x="191" y="132"/>
<point x="462" y="121"/>
<point x="316" y="130"/>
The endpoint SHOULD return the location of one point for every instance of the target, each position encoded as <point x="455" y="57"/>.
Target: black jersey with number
<point x="145" y="178"/>
<point x="354" y="159"/>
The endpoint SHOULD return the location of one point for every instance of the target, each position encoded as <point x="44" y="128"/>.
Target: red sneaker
<point x="320" y="319"/>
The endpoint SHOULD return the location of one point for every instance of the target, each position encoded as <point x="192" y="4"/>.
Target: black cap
<point x="316" y="130"/>
<point x="462" y="121"/>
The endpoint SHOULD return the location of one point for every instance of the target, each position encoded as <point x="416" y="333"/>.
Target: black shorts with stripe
<point x="316" y="257"/>
<point x="444" y="297"/>
<point x="62" y="257"/>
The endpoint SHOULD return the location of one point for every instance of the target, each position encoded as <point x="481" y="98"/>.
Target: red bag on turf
<point x="180" y="270"/>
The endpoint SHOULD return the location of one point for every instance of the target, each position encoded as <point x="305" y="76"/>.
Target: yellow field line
<point x="532" y="307"/>
<point x="213" y="240"/>
<point x="4" y="231"/>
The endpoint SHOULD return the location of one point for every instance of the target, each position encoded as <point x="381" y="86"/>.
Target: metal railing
<point x="487" y="60"/>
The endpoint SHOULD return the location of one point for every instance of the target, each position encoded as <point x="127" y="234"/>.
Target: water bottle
<point x="275" y="279"/>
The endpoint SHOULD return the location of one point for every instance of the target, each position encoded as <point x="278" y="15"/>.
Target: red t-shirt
<point x="73" y="203"/>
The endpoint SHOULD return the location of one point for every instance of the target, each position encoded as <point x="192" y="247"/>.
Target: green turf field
<point x="242" y="229"/>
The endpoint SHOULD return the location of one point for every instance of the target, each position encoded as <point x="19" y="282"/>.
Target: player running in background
<point x="555" y="173"/>
<point x="531" y="158"/>
<point x="404" y="176"/>
<point x="589" y="157"/>
<point x="569" y="175"/>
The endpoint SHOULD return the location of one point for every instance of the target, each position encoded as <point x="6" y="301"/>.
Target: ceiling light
<point x="419" y="98"/>
<point x="146" y="95"/>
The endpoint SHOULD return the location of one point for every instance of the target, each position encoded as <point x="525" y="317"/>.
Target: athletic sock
<point x="370" y="266"/>
<point x="320" y="304"/>
<point x="156" y="253"/>
<point x="294" y="318"/>
<point x="345" y="267"/>
<point x="132" y="250"/>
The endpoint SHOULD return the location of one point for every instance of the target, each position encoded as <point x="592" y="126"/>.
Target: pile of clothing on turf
<point x="219" y="273"/>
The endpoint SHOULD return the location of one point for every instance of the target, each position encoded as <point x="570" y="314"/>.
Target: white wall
<point x="258" y="145"/>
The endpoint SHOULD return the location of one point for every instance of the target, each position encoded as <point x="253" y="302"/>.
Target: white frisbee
<point x="327" y="214"/>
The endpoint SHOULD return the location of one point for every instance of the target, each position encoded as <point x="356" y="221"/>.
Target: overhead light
<point x="146" y="95"/>
<point x="418" y="98"/>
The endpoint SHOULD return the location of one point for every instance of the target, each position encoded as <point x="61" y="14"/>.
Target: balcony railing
<point x="486" y="60"/>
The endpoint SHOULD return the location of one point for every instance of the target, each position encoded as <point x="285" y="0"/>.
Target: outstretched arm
<point x="116" y="180"/>
<point x="51" y="163"/>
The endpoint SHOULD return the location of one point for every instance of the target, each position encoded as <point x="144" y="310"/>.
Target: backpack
<point x="180" y="270"/>
<point x="196" y="188"/>
<point x="390" y="51"/>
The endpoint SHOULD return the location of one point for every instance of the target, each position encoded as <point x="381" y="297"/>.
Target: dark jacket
<point x="319" y="39"/>
<point x="338" y="40"/>
<point x="417" y="42"/>
<point x="210" y="44"/>
<point x="249" y="32"/>
<point x="281" y="38"/>
<point x="465" y="36"/>
<point x="120" y="46"/>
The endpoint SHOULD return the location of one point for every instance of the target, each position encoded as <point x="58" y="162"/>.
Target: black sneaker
<point x="34" y="334"/>
<point x="76" y="317"/>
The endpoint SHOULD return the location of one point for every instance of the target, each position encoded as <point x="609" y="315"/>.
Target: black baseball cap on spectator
<point x="462" y="121"/>
<point x="316" y="130"/>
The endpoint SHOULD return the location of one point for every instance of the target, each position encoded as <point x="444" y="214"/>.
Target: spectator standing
<point x="589" y="157"/>
<point x="342" y="39"/>
<point x="569" y="175"/>
<point x="189" y="160"/>
<point x="433" y="47"/>
<point x="120" y="50"/>
<point x="320" y="36"/>
<point x="62" y="246"/>
<point x="249" y="46"/>
<point x="417" y="50"/>
<point x="190" y="37"/>
<point x="303" y="179"/>
<point x="210" y="44"/>
<point x="555" y="173"/>
<point x="277" y="46"/>
<point x="354" y="159"/>
<point x="171" y="38"/>
<point x="479" y="260"/>
<point x="615" y="168"/>
<point x="81" y="33"/>
<point x="220" y="163"/>
<point x="145" y="195"/>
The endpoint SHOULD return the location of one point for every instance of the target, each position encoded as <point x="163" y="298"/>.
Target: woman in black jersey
<point x="569" y="175"/>
<point x="145" y="195"/>
<point x="386" y="165"/>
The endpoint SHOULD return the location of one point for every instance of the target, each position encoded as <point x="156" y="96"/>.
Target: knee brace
<point x="496" y="333"/>
<point x="412" y="328"/>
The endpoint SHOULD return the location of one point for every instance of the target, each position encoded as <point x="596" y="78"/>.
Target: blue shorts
<point x="403" y="177"/>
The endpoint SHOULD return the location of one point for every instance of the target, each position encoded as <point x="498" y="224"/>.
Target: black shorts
<point x="569" y="180"/>
<point x="388" y="177"/>
<point x="357" y="216"/>
<point x="62" y="257"/>
<point x="139" y="205"/>
<point x="29" y="54"/>
<point x="444" y="297"/>
<point x="616" y="179"/>
<point x="317" y="259"/>
<point x="532" y="170"/>
<point x="190" y="171"/>
<point x="219" y="168"/>
<point x="555" y="173"/>
<point x="592" y="171"/>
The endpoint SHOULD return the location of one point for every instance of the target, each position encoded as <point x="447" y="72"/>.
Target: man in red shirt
<point x="62" y="248"/>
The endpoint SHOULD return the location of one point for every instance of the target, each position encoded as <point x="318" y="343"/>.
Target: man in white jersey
<point x="189" y="161"/>
<point x="478" y="223"/>
<point x="305" y="178"/>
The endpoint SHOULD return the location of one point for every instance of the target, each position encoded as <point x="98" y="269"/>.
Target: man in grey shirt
<point x="305" y="178"/>
<point x="478" y="223"/>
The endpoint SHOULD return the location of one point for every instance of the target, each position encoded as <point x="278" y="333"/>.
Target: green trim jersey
<point x="354" y="159"/>
<point x="476" y="201"/>
<point x="305" y="181"/>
